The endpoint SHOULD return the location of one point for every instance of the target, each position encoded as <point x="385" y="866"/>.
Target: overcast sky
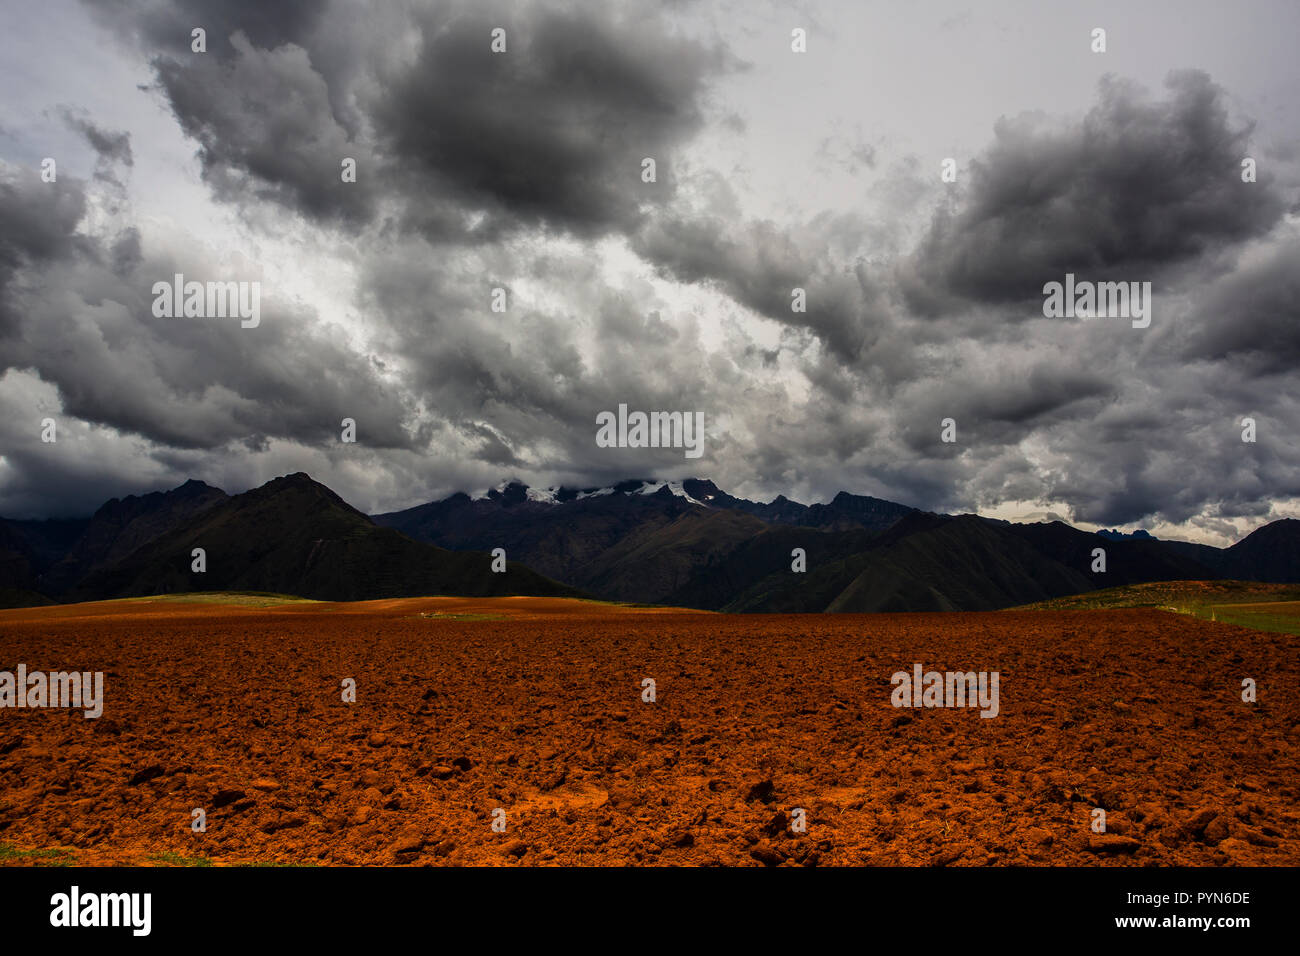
<point x="775" y="169"/>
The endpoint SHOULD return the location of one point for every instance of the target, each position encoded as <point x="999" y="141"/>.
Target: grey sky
<point x="776" y="169"/>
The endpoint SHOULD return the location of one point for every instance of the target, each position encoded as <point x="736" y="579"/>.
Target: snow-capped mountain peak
<point x="674" y="487"/>
<point x="514" y="492"/>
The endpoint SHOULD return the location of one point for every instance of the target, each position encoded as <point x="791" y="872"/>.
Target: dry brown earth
<point x="538" y="711"/>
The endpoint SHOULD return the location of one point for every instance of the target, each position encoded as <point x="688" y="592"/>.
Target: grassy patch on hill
<point x="1265" y="607"/>
<point x="451" y="616"/>
<point x="255" y="599"/>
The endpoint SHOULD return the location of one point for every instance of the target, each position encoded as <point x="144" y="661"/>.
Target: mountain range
<point x="292" y="535"/>
<point x="685" y="543"/>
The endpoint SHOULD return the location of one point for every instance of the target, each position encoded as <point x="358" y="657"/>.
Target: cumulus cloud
<point x="1137" y="186"/>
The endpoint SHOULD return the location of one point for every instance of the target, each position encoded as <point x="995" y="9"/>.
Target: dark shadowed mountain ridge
<point x="296" y="536"/>
<point x="685" y="543"/>
<point x="682" y="543"/>
<point x="292" y="535"/>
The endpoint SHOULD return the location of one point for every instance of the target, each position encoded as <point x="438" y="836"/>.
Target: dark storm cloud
<point x="82" y="318"/>
<point x="760" y="264"/>
<point x="553" y="131"/>
<point x="1250" y="320"/>
<point x="163" y="27"/>
<point x="476" y="144"/>
<point x="39" y="219"/>
<point x="1003" y="406"/>
<point x="1137" y="185"/>
<point x="1188" y="463"/>
<point x="266" y="131"/>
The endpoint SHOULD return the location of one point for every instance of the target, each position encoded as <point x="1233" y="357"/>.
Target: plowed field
<point x="534" y="708"/>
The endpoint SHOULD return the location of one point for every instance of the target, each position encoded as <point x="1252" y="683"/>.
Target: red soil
<point x="239" y="711"/>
